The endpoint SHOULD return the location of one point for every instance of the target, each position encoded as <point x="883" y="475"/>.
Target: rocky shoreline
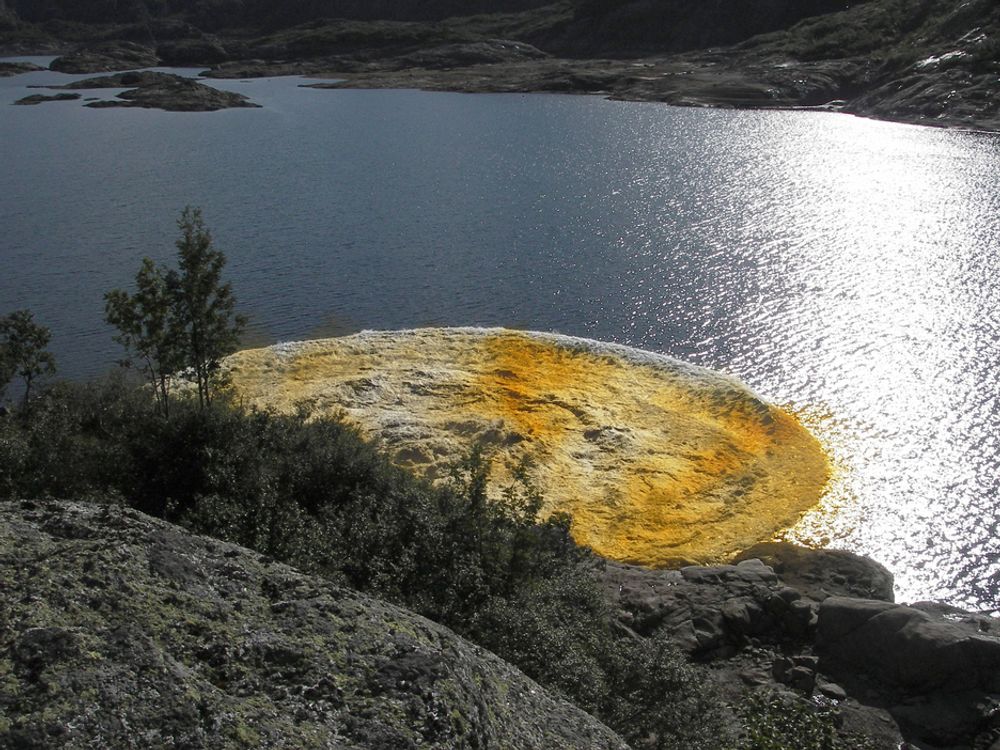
<point x="929" y="64"/>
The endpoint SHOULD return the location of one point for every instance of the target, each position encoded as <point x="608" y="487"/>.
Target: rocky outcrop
<point x="936" y="669"/>
<point x="907" y="647"/>
<point x="116" y="626"/>
<point x="106" y="57"/>
<point x="821" y="573"/>
<point x="16" y="68"/>
<point x="40" y="98"/>
<point x="122" y="631"/>
<point x="927" y="672"/>
<point x="165" y="91"/>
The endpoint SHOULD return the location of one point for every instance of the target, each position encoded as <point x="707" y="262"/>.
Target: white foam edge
<point x="695" y="375"/>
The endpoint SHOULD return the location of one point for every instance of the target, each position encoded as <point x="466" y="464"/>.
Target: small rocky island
<point x="154" y="90"/>
<point x="42" y="98"/>
<point x="8" y="69"/>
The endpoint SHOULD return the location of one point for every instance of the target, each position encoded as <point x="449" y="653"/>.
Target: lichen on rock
<point x="119" y="630"/>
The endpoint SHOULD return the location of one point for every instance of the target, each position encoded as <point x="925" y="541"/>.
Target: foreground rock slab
<point x="119" y="630"/>
<point x="657" y="461"/>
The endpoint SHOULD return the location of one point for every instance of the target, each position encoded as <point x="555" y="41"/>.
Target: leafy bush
<point x="772" y="722"/>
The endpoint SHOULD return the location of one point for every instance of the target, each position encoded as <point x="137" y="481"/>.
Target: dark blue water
<point x="844" y="267"/>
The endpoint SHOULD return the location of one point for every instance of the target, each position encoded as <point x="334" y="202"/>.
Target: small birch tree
<point x="23" y="350"/>
<point x="148" y="328"/>
<point x="203" y="305"/>
<point x="180" y="321"/>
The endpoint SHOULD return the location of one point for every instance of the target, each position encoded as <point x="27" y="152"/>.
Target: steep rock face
<point x="630" y="28"/>
<point x="242" y="13"/>
<point x="117" y="630"/>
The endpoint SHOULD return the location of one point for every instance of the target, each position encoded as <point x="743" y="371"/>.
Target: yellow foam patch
<point x="656" y="461"/>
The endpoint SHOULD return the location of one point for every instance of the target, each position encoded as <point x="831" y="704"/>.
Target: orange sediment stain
<point x="656" y="462"/>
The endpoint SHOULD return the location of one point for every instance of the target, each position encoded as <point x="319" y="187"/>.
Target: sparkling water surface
<point x="849" y="269"/>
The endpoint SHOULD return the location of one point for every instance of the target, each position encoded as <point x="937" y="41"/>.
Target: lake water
<point x="847" y="268"/>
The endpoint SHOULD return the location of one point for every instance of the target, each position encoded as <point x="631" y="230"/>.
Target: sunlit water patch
<point x="846" y="268"/>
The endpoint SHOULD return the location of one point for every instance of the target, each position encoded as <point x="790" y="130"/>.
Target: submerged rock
<point x="121" y="631"/>
<point x="657" y="461"/>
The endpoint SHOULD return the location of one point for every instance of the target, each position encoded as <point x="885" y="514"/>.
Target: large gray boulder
<point x="118" y="630"/>
<point x="906" y="647"/>
<point x="938" y="673"/>
<point x="819" y="573"/>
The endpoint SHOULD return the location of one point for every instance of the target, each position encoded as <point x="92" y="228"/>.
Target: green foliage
<point x="148" y="327"/>
<point x="203" y="305"/>
<point x="6" y="370"/>
<point x="23" y="351"/>
<point x="309" y="491"/>
<point x="658" y="701"/>
<point x="771" y="722"/>
<point x="76" y="442"/>
<point x="558" y="631"/>
<point x="179" y="321"/>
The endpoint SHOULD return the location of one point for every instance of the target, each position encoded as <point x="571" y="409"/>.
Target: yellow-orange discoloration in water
<point x="656" y="461"/>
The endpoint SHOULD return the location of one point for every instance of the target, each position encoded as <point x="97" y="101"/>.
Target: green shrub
<point x="309" y="491"/>
<point x="773" y="722"/>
